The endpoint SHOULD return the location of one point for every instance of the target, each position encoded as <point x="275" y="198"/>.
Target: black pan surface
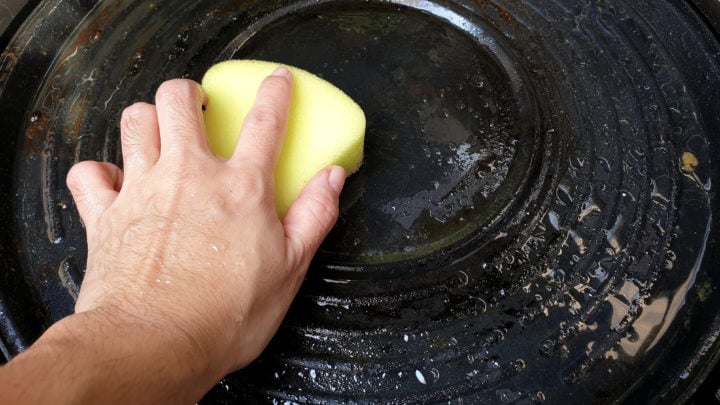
<point x="535" y="220"/>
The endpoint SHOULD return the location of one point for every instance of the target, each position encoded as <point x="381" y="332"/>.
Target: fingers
<point x="140" y="136"/>
<point x="264" y="126"/>
<point x="180" y="120"/>
<point x="94" y="187"/>
<point x="314" y="213"/>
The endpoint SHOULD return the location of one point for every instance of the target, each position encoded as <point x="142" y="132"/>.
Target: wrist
<point x="114" y="354"/>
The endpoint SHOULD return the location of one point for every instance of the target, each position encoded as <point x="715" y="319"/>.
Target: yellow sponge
<point x="325" y="125"/>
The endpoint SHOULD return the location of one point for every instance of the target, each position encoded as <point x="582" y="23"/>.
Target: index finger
<point x="263" y="130"/>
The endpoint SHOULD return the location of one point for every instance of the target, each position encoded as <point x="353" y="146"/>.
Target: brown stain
<point x="73" y="130"/>
<point x="38" y="131"/>
<point x="36" y="134"/>
<point x="505" y="14"/>
<point x="90" y="35"/>
<point x="8" y="61"/>
<point x="11" y="56"/>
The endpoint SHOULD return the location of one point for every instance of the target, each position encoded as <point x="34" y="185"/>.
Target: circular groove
<point x="552" y="246"/>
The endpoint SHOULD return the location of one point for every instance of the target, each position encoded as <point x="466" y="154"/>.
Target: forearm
<point x="92" y="357"/>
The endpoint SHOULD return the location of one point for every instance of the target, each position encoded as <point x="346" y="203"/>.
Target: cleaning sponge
<point x="325" y="126"/>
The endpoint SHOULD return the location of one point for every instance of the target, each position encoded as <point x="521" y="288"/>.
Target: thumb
<point x="314" y="213"/>
<point x="94" y="186"/>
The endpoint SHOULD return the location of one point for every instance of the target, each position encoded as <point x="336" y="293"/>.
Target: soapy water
<point x="531" y="219"/>
<point x="581" y="274"/>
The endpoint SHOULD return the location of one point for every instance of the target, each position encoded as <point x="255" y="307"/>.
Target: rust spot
<point x="505" y="15"/>
<point x="88" y="36"/>
<point x="36" y="133"/>
<point x="11" y="57"/>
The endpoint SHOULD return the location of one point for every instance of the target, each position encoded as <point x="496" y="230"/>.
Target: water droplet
<point x="546" y="348"/>
<point x="554" y="220"/>
<point x="612" y="234"/>
<point x="420" y="377"/>
<point x="508" y="396"/>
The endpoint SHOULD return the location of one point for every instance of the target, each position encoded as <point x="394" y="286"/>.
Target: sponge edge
<point x="325" y="126"/>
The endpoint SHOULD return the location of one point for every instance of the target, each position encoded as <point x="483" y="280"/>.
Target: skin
<point x="190" y="271"/>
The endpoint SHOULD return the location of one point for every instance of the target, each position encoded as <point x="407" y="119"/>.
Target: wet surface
<point x="533" y="221"/>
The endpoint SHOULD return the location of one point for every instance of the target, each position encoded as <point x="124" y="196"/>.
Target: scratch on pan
<point x="117" y="88"/>
<point x="481" y="300"/>
<point x="72" y="55"/>
<point x="467" y="278"/>
<point x="332" y="281"/>
<point x="89" y="78"/>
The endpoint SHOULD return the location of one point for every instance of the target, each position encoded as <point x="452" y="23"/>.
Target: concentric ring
<point x="533" y="222"/>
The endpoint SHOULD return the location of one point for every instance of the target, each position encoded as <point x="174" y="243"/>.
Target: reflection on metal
<point x="530" y="223"/>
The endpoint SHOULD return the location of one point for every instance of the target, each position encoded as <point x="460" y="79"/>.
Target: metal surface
<point x="12" y="15"/>
<point x="534" y="221"/>
<point x="710" y="9"/>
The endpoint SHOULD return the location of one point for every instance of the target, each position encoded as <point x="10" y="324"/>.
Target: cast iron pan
<point x="535" y="220"/>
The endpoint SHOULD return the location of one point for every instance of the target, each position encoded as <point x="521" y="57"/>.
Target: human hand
<point x="190" y="244"/>
<point x="190" y="271"/>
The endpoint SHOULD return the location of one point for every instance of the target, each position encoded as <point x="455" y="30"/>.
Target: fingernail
<point x="282" y="72"/>
<point x="336" y="178"/>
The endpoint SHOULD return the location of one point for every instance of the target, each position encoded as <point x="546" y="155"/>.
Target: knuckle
<point x="326" y="211"/>
<point x="265" y="118"/>
<point x="131" y="124"/>
<point x="183" y="133"/>
<point x="322" y="211"/>
<point x="138" y="111"/>
<point x="276" y="85"/>
<point x="177" y="89"/>
<point x="77" y="173"/>
<point x="252" y="185"/>
<point x="180" y="100"/>
<point x="250" y="189"/>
